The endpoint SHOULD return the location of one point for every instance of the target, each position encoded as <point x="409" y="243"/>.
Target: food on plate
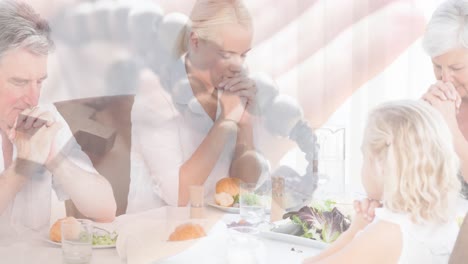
<point x="224" y="199"/>
<point x="101" y="237"/>
<point x="230" y="186"/>
<point x="251" y="199"/>
<point x="55" y="232"/>
<point x="239" y="223"/>
<point x="322" y="222"/>
<point x="187" y="231"/>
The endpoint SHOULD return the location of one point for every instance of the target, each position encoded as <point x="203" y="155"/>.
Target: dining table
<point x="143" y="239"/>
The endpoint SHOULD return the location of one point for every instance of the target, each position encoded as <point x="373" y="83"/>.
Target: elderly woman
<point x="446" y="41"/>
<point x="196" y="127"/>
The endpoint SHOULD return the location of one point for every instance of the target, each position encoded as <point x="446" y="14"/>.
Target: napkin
<point x="130" y="227"/>
<point x="143" y="238"/>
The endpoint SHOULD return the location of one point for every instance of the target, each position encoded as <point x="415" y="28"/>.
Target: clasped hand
<point x="34" y="134"/>
<point x="239" y="94"/>
<point x="445" y="98"/>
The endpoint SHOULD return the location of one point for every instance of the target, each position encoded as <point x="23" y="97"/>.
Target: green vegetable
<point x="324" y="206"/>
<point x="318" y="223"/>
<point x="330" y="234"/>
<point x="107" y="239"/>
<point x="250" y="199"/>
<point x="313" y="234"/>
<point x="236" y="199"/>
<point x="298" y="221"/>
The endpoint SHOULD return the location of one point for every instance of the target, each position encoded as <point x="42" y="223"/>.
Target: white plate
<point x="96" y="246"/>
<point x="232" y="210"/>
<point x="279" y="232"/>
<point x="97" y="230"/>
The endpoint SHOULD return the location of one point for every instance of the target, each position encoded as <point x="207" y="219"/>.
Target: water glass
<point x="77" y="239"/>
<point x="253" y="202"/>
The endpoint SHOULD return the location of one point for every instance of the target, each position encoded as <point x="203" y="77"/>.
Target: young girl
<point x="411" y="166"/>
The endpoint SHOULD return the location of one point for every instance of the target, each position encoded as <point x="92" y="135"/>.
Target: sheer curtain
<point x="338" y="58"/>
<point x="396" y="68"/>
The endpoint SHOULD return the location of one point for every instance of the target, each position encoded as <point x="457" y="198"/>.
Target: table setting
<point x="142" y="239"/>
<point x="242" y="223"/>
<point x="164" y="235"/>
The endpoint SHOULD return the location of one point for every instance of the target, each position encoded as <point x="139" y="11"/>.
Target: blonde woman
<point x="197" y="124"/>
<point x="407" y="166"/>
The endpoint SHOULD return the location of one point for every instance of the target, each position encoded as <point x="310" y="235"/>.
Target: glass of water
<point x="77" y="239"/>
<point x="253" y="202"/>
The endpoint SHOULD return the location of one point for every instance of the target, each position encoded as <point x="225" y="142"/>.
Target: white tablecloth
<point x="35" y="249"/>
<point x="143" y="241"/>
<point x="138" y="243"/>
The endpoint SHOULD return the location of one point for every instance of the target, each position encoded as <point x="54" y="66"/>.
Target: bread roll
<point x="55" y="232"/>
<point x="186" y="232"/>
<point x="228" y="185"/>
<point x="224" y="199"/>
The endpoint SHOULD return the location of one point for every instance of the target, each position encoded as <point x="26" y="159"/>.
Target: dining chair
<point x="102" y="127"/>
<point x="460" y="250"/>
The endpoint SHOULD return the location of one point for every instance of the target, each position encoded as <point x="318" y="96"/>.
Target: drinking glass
<point x="254" y="201"/>
<point x="77" y="239"/>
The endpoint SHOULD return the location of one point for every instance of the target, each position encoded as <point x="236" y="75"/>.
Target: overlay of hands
<point x="365" y="208"/>
<point x="238" y="96"/>
<point x="321" y="52"/>
<point x="364" y="214"/>
<point x="34" y="135"/>
<point x="233" y="106"/>
<point x="445" y="98"/>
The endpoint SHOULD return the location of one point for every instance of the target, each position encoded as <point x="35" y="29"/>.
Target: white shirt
<point x="422" y="243"/>
<point x="31" y="208"/>
<point x="168" y="125"/>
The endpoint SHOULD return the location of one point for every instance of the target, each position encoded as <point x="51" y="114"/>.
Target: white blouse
<point x="31" y="208"/>
<point x="422" y="243"/>
<point x="168" y="125"/>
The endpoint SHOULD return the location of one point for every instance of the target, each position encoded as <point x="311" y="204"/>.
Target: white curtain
<point x="407" y="76"/>
<point x="338" y="58"/>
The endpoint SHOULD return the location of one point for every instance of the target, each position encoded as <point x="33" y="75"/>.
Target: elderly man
<point x="39" y="152"/>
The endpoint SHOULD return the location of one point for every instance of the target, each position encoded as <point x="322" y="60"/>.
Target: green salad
<point x="104" y="238"/>
<point x="321" y="221"/>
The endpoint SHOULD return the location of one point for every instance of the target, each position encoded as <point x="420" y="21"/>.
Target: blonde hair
<point x="208" y="15"/>
<point x="413" y="148"/>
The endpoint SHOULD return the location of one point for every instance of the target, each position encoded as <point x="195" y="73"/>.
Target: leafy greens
<point x="322" y="222"/>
